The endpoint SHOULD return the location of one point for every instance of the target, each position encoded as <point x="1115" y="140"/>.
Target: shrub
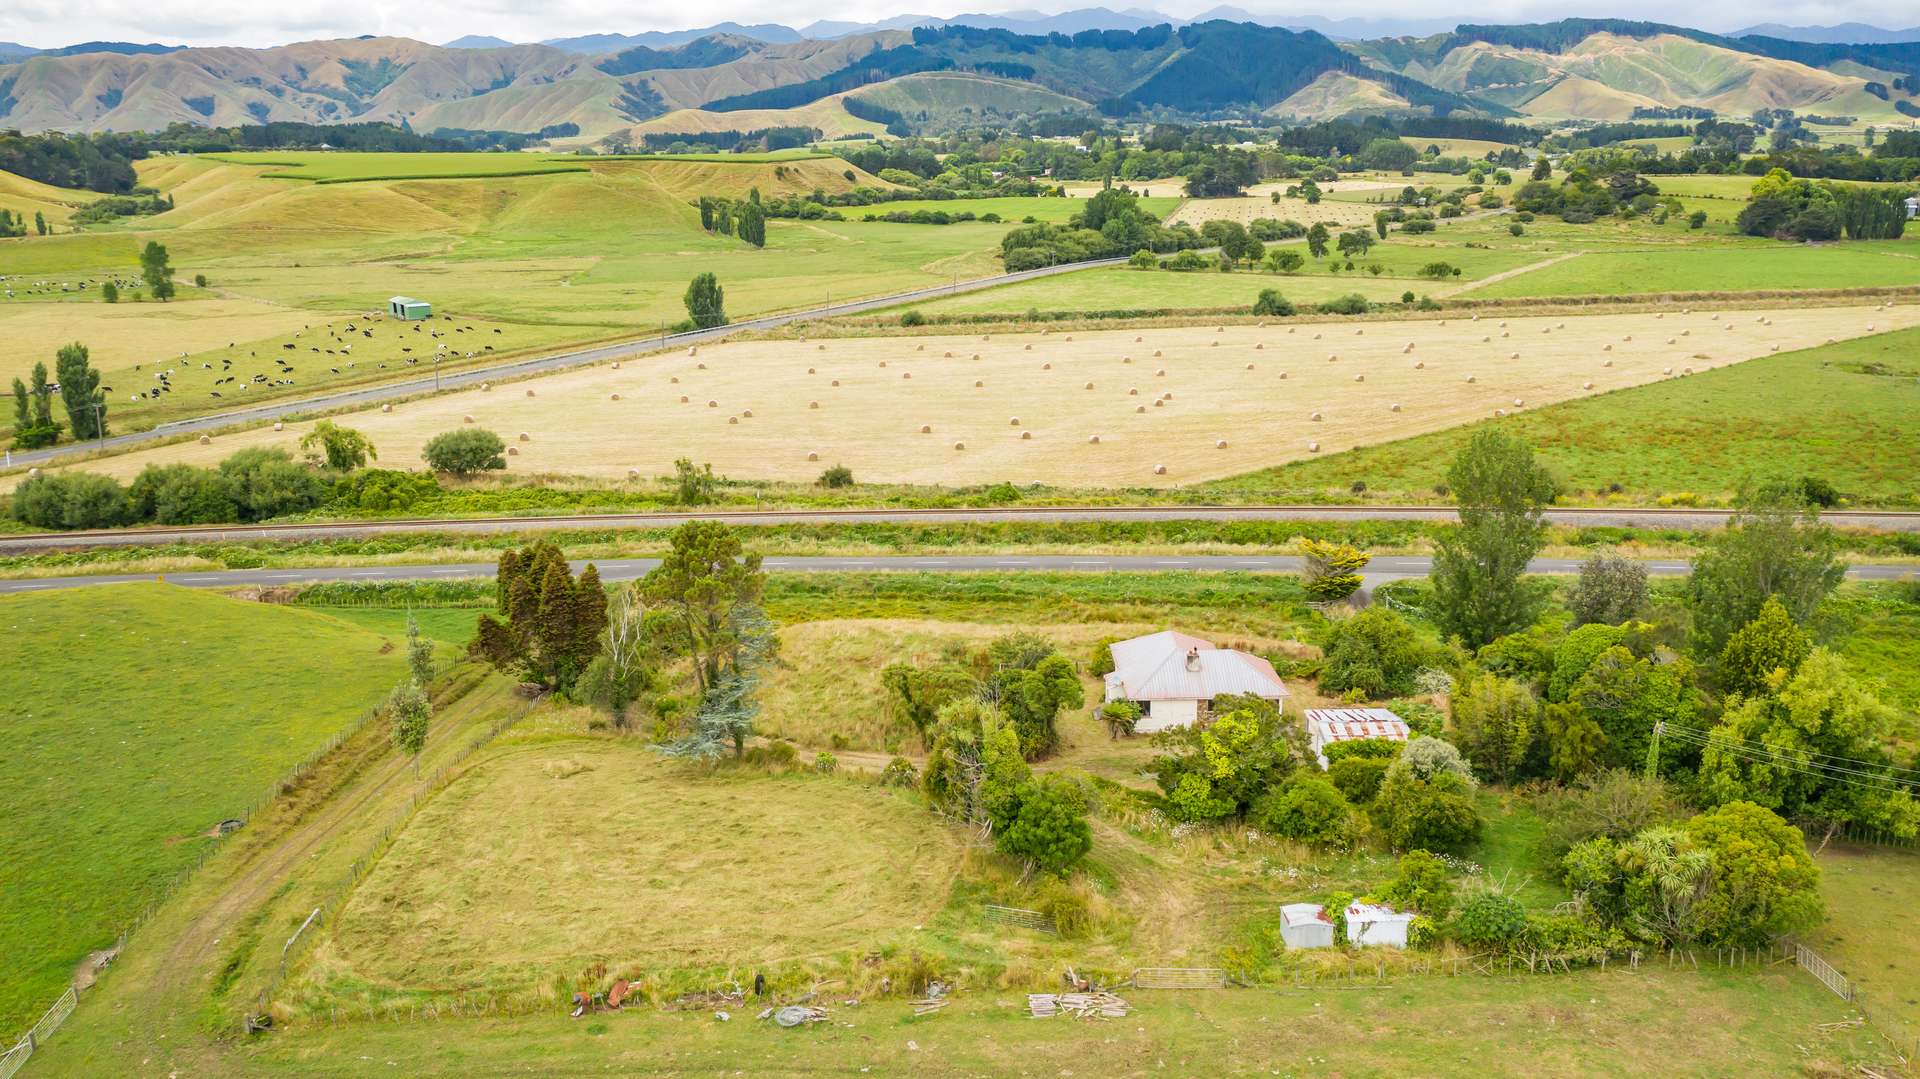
<point x="1121" y="718"/>
<point x="1488" y="919"/>
<point x="1375" y="652"/>
<point x="269" y="483"/>
<point x="826" y="763"/>
<point x="72" y="500"/>
<point x="1351" y="304"/>
<point x="184" y="495"/>
<point x="837" y="476"/>
<point x="1049" y="831"/>
<point x="1438" y="270"/>
<point x="913" y="318"/>
<point x="1416" y="227"/>
<point x="1308" y="808"/>
<point x="1494" y="720"/>
<point x="465" y="451"/>
<point x="899" y="772"/>
<point x="1614" y="804"/>
<point x="1065" y="905"/>
<point x="1420" y="882"/>
<point x="1516" y="229"/>
<point x="1436" y="814"/>
<point x="1358" y="778"/>
<point x="1756" y="651"/>
<point x="1611" y="590"/>
<point x="383" y="489"/>
<point x="1333" y="569"/>
<point x="1101" y="663"/>
<point x="110" y="292"/>
<point x="1378" y="749"/>
<point x="1272" y="303"/>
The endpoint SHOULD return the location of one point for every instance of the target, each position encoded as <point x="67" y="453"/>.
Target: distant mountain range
<point x="934" y="78"/>
<point x="13" y="51"/>
<point x="1846" y="33"/>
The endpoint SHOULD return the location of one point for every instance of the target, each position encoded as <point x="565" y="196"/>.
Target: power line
<point x="1846" y="777"/>
<point x="1874" y="766"/>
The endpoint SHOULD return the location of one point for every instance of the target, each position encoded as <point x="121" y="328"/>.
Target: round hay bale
<point x="1249" y="367"/>
<point x="949" y="355"/>
<point x="1628" y="337"/>
<point x="693" y="350"/>
<point x="1314" y="417"/>
<point x="713" y="404"/>
<point x="1408" y="349"/>
<point x="1728" y="326"/>
<point x="205" y="441"/>
<point x="1158" y="401"/>
<point x="1486" y="338"/>
<point x="1499" y="412"/>
<point x="836" y="382"/>
<point x="1159" y="470"/>
<point x="1219" y="329"/>
<point x="1093" y="440"/>
<point x="1026" y="348"/>
<point x="1773" y="348"/>
<point x="702" y="365"/>
<point x="1395" y="407"/>
<point x="1359" y="378"/>
<point x="513" y="451"/>
<point x="906" y="375"/>
<point x="977" y="383"/>
<point x="1283" y="376"/>
<point x="525" y="437"/>
<point x="976" y="355"/>
<point x="1126" y="359"/>
<point x="1069" y="337"/>
<point x="813" y="404"/>
<point x="1513" y="355"/>
<point x="1046" y="367"/>
<point x="1586" y="385"/>
<point x="675" y="380"/>
<point x="1419" y="365"/>
<point x="1606" y="347"/>
<point x="1869" y="327"/>
<point x="529" y="393"/>
<point x="1220" y="444"/>
<point x="1167" y="396"/>
<point x="1089" y="385"/>
<point x="1475" y="318"/>
<point x="959" y="445"/>
<point x="1660" y="314"/>
<point x="278" y="426"/>
<point x="1333" y="357"/>
<point x="1713" y="318"/>
<point x="633" y="473"/>
<point x="1260" y="347"/>
<point x="926" y="428"/>
<point x="746" y="413"/>
<point x="1160" y="372"/>
<point x="1686" y="370"/>
<point x="683" y="398"/>
<point x="733" y="419"/>
<point x="919" y="348"/>
<point x="986" y="337"/>
<point x="1156" y="353"/>
<point x="1608" y="363"/>
<point x="1139" y="408"/>
<point x="1357" y="333"/>
<point x="883" y="363"/>
<point x="1666" y="370"/>
<point x="820" y="348"/>
<point x="1518" y="403"/>
<point x="1137" y="340"/>
<point x="810" y="371"/>
<point x="1473" y="378"/>
<point x="1686" y="333"/>
<point x="813" y="456"/>
<point x="1506" y="333"/>
<point x="616" y="365"/>
<point x="463" y="419"/>
<point x="386" y="408"/>
<point x="1503" y="324"/>
<point x="1013" y="421"/>
<point x="1026" y="436"/>
<point x="1313" y="447"/>
<point x="1213" y="344"/>
<point x="486" y="387"/>
<point x="1133" y="391"/>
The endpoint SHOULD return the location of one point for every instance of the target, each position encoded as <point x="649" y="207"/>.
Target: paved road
<point x="1889" y="521"/>
<point x="1386" y="568"/>
<point x="473" y="376"/>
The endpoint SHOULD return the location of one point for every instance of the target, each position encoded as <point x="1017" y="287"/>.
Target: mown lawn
<point x="1816" y="412"/>
<point x="1873" y="918"/>
<point x="141" y="716"/>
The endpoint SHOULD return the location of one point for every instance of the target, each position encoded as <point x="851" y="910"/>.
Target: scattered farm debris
<point x="1077" y="1005"/>
<point x="794" y="1015"/>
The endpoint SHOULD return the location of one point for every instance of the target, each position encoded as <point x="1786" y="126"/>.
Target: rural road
<point x="1886" y="521"/>
<point x="1385" y="568"/>
<point x="473" y="376"/>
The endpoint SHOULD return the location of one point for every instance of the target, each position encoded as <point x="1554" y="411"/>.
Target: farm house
<point x="1172" y="676"/>
<point x="409" y="309"/>
<point x="1326" y="726"/>
<point x="1370" y="925"/>
<point x="1305" y="925"/>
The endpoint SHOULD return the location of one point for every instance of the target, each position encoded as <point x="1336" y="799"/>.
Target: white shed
<point x="1373" y="926"/>
<point x="1305" y="925"/>
<point x="1913" y="206"/>
<point x="1326" y="726"/>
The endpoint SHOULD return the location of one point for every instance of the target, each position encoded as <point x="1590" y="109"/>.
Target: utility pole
<point x="99" y="424"/>
<point x="1653" y="750"/>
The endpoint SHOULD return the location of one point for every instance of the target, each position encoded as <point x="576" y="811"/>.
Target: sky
<point x="54" y="23"/>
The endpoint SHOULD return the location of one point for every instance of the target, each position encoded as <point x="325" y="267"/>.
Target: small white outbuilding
<point x="1370" y="925"/>
<point x="1326" y="726"/>
<point x="1305" y="925"/>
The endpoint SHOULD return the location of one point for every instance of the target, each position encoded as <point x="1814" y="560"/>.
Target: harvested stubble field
<point x="1259" y="203"/>
<point x="555" y="855"/>
<point x="1168" y="406"/>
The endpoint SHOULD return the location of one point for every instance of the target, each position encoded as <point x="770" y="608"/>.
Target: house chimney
<point x="1193" y="660"/>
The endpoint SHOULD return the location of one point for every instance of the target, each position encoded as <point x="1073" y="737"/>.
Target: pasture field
<point x="1474" y="148"/>
<point x="26" y="198"/>
<point x="1735" y="266"/>
<point x="1875" y="950"/>
<point x="1803" y="413"/>
<point x="1123" y="289"/>
<point x="126" y="693"/>
<point x="1159" y="400"/>
<point x="1012" y="209"/>
<point x="348" y="166"/>
<point x="479" y="894"/>
<point x="551" y="260"/>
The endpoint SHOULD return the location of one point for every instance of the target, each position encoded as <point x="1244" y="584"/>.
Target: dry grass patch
<point x="559" y="857"/>
<point x="1021" y="411"/>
